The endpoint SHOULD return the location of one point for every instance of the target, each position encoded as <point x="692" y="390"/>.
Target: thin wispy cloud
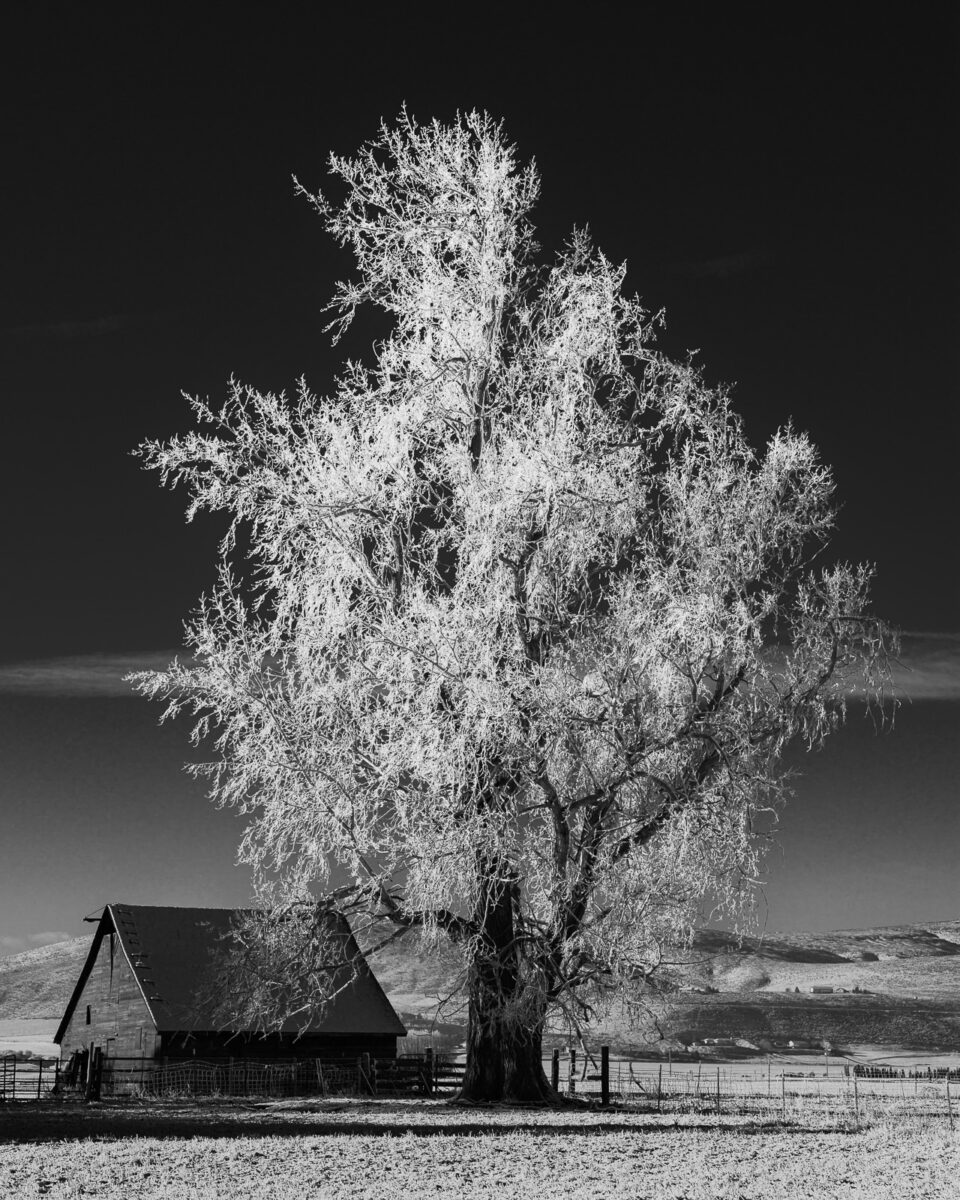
<point x="81" y="675"/>
<point x="929" y="667"/>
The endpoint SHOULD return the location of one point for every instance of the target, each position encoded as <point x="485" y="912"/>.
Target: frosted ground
<point x="415" y="1149"/>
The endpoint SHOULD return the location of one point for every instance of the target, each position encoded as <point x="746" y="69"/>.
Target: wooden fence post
<point x="367" y="1074"/>
<point x="572" y="1072"/>
<point x="40" y="1078"/>
<point x="88" y="1088"/>
<point x="555" y="1070"/>
<point x="856" y="1100"/>
<point x="718" y="1091"/>
<point x="783" y="1095"/>
<point x="605" y="1076"/>
<point x="659" y="1087"/>
<point x="431" y="1071"/>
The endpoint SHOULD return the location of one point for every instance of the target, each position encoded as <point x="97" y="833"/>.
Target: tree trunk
<point x="506" y="1018"/>
<point x="505" y="1060"/>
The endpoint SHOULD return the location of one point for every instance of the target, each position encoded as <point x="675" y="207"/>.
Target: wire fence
<point x="408" y="1075"/>
<point x="852" y="1097"/>
<point x="847" y="1097"/>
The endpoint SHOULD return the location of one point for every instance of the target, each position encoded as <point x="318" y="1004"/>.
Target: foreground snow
<point x="414" y="1149"/>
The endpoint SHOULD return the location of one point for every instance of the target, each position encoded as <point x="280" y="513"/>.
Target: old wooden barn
<point x="138" y="996"/>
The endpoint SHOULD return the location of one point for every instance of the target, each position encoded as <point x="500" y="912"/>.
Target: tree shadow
<point x="38" y="1123"/>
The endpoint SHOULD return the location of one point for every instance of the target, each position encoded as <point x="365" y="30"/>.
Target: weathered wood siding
<point x="276" y="1046"/>
<point x="120" y="1023"/>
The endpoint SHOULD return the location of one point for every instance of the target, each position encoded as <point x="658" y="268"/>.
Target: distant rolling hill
<point x="34" y="989"/>
<point x="36" y="984"/>
<point x="907" y="976"/>
<point x="897" y="985"/>
<point x="908" y="961"/>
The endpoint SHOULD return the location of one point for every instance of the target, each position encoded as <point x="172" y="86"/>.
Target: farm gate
<point x="27" y="1078"/>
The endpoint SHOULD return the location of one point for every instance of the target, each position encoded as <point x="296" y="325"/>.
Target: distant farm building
<point x="139" y="996"/>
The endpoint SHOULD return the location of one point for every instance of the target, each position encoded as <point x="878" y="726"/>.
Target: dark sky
<point x="784" y="187"/>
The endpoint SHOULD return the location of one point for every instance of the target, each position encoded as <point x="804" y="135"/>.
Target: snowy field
<point x="413" y="1149"/>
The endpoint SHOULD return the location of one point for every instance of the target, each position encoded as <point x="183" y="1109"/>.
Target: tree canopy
<point x="518" y="625"/>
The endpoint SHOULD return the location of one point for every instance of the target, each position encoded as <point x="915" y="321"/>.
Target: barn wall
<point x="120" y="1022"/>
<point x="285" y="1046"/>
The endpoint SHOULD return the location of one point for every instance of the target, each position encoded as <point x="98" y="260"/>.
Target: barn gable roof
<point x="170" y="952"/>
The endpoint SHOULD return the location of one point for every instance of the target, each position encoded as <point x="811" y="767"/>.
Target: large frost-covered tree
<point x="518" y="625"/>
